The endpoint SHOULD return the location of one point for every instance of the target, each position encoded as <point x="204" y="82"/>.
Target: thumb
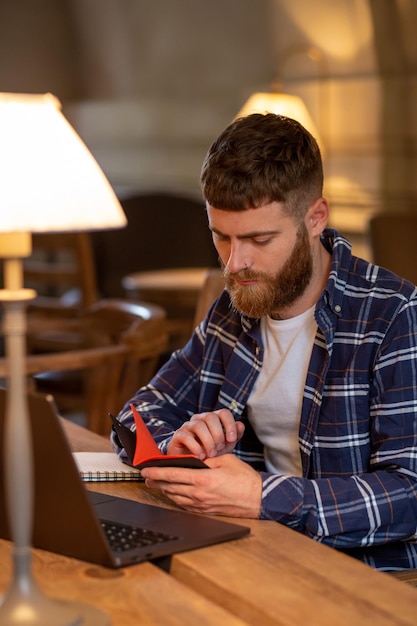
<point x="240" y="429"/>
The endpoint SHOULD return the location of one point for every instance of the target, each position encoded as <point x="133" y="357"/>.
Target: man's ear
<point x="317" y="216"/>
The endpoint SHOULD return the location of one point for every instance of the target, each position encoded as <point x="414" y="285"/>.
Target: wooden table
<point x="176" y="290"/>
<point x="280" y="577"/>
<point x="137" y="595"/>
<point x="181" y="283"/>
<point x="275" y="576"/>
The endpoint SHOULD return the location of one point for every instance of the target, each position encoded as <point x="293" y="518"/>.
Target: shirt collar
<point x="341" y="250"/>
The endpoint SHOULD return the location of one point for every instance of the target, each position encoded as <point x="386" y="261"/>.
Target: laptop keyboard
<point x="125" y="537"/>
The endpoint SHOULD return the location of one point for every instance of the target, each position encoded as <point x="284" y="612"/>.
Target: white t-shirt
<point x="274" y="406"/>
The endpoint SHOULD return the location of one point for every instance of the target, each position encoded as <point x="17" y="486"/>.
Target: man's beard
<point x="270" y="295"/>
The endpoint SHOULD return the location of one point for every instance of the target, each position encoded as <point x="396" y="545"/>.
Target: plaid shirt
<point x="358" y="425"/>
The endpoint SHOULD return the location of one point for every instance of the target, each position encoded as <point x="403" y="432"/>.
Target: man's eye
<point x="262" y="242"/>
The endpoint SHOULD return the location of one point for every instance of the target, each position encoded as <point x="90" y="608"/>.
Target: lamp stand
<point x="23" y="603"/>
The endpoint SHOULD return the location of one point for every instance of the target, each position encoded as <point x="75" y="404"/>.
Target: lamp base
<point x="44" y="611"/>
<point x="25" y="605"/>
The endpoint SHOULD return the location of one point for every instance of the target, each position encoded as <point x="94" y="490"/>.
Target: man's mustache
<point x="243" y="275"/>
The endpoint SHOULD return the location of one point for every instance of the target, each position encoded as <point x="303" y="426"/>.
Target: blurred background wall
<point x="149" y="84"/>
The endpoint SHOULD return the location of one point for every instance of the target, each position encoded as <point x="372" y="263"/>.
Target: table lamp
<point x="49" y="182"/>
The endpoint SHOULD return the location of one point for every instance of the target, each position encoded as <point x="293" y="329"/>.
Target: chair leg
<point x="102" y="389"/>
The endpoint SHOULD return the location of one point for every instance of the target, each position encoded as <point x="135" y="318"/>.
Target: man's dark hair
<point x="260" y="159"/>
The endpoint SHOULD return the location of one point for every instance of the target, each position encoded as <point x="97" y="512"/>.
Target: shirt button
<point x="233" y="405"/>
<point x="337" y="308"/>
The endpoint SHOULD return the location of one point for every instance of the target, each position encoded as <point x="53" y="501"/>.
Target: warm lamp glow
<point x="282" y="104"/>
<point x="49" y="181"/>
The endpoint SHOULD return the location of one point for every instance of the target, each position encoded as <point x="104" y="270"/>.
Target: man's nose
<point x="237" y="260"/>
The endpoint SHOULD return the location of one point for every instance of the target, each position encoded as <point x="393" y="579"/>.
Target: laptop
<point x="107" y="530"/>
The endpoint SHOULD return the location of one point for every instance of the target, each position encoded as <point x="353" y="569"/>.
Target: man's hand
<point x="207" y="435"/>
<point x="231" y="487"/>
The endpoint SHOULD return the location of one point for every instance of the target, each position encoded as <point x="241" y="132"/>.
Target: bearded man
<point x="298" y="389"/>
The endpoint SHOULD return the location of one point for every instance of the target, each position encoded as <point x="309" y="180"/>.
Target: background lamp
<point x="49" y="182"/>
<point x="282" y="104"/>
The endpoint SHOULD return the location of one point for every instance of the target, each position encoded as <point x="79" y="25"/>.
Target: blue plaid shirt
<point x="358" y="424"/>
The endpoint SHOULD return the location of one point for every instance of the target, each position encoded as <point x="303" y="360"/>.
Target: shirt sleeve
<point x="345" y="513"/>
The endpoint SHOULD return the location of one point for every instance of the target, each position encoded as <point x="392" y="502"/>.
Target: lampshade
<point x="282" y="104"/>
<point x="49" y="181"/>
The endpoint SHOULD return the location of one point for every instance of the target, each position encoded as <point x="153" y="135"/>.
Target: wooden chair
<point x="212" y="287"/>
<point x="62" y="271"/>
<point x="393" y="242"/>
<point x="94" y="363"/>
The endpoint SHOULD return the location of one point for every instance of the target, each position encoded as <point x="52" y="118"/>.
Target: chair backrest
<point x="115" y="346"/>
<point x="138" y="327"/>
<point x="163" y="231"/>
<point x="393" y="242"/>
<point x="62" y="271"/>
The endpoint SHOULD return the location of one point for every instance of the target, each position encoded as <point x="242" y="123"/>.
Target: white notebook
<point x="104" y="466"/>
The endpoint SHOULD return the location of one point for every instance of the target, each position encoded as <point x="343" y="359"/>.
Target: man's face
<point x="266" y="257"/>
